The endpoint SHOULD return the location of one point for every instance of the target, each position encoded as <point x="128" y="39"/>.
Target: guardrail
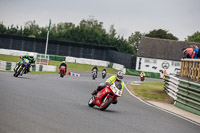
<point x="186" y="94"/>
<point x="190" y="68"/>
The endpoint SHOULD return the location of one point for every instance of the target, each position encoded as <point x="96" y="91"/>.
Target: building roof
<point x="162" y="48"/>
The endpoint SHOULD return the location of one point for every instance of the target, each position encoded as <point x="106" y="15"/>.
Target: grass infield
<point x="150" y="91"/>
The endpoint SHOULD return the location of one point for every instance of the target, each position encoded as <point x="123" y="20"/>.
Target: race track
<point x="50" y="104"/>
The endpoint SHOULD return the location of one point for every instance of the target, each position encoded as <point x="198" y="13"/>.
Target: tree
<point x="31" y="29"/>
<point x="112" y="31"/>
<point x="160" y="33"/>
<point x="134" y="40"/>
<point x="194" y="38"/>
<point x="12" y="30"/>
<point x="2" y="29"/>
<point x="88" y="31"/>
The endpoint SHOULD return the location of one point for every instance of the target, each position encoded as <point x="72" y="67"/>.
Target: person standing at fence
<point x="188" y="52"/>
<point x="196" y="50"/>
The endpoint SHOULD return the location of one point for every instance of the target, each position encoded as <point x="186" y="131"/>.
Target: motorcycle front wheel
<point x="90" y="102"/>
<point x="93" y="76"/>
<point x="106" y="102"/>
<point x="16" y="74"/>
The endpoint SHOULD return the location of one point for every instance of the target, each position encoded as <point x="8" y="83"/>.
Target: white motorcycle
<point x="94" y="74"/>
<point x="103" y="74"/>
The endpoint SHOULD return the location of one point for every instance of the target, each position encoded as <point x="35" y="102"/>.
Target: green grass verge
<point x="151" y="91"/>
<point x="9" y="58"/>
<point x="71" y="66"/>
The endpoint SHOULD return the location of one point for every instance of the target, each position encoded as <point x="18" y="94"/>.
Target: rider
<point x="30" y="58"/>
<point x="110" y="81"/>
<point x="63" y="64"/>
<point x="95" y="67"/>
<point x="104" y="70"/>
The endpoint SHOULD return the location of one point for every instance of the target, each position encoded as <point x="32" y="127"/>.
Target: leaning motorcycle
<point x="21" y="67"/>
<point x="103" y="74"/>
<point x="106" y="96"/>
<point x="62" y="71"/>
<point x="94" y="74"/>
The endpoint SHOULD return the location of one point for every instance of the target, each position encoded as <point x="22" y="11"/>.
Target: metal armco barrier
<point x="185" y="94"/>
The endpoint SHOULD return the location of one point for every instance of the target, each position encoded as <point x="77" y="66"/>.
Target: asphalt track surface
<point x="50" y="104"/>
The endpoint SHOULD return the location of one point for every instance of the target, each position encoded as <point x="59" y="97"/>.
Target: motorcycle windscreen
<point x="25" y="61"/>
<point x="118" y="85"/>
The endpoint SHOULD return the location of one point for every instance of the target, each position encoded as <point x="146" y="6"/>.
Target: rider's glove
<point x="107" y="84"/>
<point x="33" y="64"/>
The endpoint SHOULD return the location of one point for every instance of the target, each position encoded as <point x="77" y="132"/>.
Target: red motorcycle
<point x="106" y="96"/>
<point x="62" y="71"/>
<point x="142" y="77"/>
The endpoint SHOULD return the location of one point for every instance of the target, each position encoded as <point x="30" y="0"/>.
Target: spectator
<point x="188" y="52"/>
<point x="196" y="50"/>
<point x="164" y="73"/>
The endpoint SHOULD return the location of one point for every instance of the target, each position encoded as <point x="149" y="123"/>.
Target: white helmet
<point x="120" y="75"/>
<point x="31" y="55"/>
<point x="63" y="61"/>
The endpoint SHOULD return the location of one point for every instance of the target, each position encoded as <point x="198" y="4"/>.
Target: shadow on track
<point x="22" y="77"/>
<point x="107" y="110"/>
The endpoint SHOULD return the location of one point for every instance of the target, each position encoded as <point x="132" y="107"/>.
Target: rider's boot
<point x="115" y="102"/>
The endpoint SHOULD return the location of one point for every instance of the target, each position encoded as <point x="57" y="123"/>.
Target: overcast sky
<point x="179" y="17"/>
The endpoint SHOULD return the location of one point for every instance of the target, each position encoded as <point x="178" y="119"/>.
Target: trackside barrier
<point x="147" y="74"/>
<point x="52" y="57"/>
<point x="9" y="66"/>
<point x="63" y="58"/>
<point x="73" y="74"/>
<point x="42" y="61"/>
<point x="95" y="63"/>
<point x="86" y="61"/>
<point x="16" y="52"/>
<point x="185" y="94"/>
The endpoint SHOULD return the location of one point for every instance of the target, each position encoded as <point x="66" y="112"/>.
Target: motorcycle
<point x="21" y="68"/>
<point x="103" y="74"/>
<point x="94" y="74"/>
<point x="62" y="71"/>
<point x="142" y="77"/>
<point x="106" y="96"/>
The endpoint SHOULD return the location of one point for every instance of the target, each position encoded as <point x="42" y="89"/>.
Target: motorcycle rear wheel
<point x="106" y="102"/>
<point x="61" y="75"/>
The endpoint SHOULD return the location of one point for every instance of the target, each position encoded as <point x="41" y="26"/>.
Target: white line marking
<point x="162" y="109"/>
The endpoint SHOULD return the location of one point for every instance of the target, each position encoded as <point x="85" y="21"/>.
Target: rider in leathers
<point x="110" y="81"/>
<point x="63" y="64"/>
<point x="31" y="62"/>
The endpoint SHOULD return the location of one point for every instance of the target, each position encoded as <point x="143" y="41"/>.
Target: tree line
<point x="89" y="31"/>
